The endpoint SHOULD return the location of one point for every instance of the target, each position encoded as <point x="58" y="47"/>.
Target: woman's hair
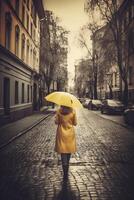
<point x="66" y="110"/>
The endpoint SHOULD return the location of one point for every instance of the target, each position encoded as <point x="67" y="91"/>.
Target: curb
<point x="123" y="125"/>
<point x="23" y="132"/>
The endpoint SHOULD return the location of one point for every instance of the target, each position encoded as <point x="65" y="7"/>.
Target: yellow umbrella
<point x="64" y="98"/>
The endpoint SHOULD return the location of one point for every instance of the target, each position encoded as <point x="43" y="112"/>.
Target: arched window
<point x="17" y="36"/>
<point x="28" y="4"/>
<point x="27" y="55"/>
<point x="27" y="22"/>
<point x="17" y="6"/>
<point x="23" y="47"/>
<point x="34" y="58"/>
<point x="23" y="93"/>
<point x="16" y="92"/>
<point x="23" y="14"/>
<point x="8" y="27"/>
<point x="31" y="57"/>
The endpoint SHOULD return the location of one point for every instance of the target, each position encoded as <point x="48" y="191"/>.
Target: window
<point x="115" y="79"/>
<point x="23" y="47"/>
<point x="34" y="34"/>
<point x="31" y="56"/>
<point x="22" y="99"/>
<point x="27" y="22"/>
<point x="27" y="93"/>
<point x="8" y="27"/>
<point x="34" y="15"/>
<point x="27" y="55"/>
<point x="34" y="58"/>
<point x="32" y="9"/>
<point x="130" y="13"/>
<point x="112" y="80"/>
<point x="130" y="75"/>
<point x="38" y="23"/>
<point x="16" y="92"/>
<point x="6" y="95"/>
<point x="17" y="5"/>
<point x="31" y="93"/>
<point x="35" y="20"/>
<point x="17" y="36"/>
<point x="28" y="4"/>
<point x="23" y="14"/>
<point x="31" y="29"/>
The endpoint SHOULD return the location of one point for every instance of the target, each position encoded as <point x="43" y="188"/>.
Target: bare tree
<point x="91" y="28"/>
<point x="53" y="39"/>
<point x="108" y="54"/>
<point x="60" y="59"/>
<point x="109" y="11"/>
<point x="82" y="78"/>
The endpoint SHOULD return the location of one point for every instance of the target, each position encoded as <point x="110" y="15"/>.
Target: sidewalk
<point x="13" y="130"/>
<point x="118" y="119"/>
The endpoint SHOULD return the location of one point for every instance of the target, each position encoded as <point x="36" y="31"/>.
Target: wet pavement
<point x="102" y="168"/>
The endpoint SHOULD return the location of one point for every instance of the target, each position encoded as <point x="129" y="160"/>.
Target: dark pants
<point x="65" y="158"/>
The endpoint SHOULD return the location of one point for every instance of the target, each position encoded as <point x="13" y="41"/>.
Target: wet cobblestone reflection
<point x="102" y="168"/>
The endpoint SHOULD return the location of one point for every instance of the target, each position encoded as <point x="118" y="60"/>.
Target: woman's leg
<point x="68" y="157"/>
<point x="65" y="164"/>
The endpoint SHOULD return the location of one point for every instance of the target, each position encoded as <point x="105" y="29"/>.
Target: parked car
<point x="129" y="116"/>
<point x="110" y="106"/>
<point x="94" y="104"/>
<point x="86" y="102"/>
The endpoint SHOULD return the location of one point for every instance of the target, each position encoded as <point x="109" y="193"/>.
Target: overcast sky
<point x="71" y="13"/>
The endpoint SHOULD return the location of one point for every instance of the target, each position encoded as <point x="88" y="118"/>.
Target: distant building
<point x="99" y="61"/>
<point x="19" y="57"/>
<point x="108" y="77"/>
<point x="83" y="78"/>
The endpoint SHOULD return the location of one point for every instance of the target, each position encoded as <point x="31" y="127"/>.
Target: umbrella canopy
<point x="64" y="98"/>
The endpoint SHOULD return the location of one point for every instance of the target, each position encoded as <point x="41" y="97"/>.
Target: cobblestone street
<point x="102" y="168"/>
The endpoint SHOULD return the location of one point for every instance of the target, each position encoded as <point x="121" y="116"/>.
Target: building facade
<point x="108" y="76"/>
<point x="99" y="61"/>
<point x="127" y="20"/>
<point x="109" y="82"/>
<point x="19" y="58"/>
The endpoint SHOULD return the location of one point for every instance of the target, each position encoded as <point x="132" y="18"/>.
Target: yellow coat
<point x="65" y="136"/>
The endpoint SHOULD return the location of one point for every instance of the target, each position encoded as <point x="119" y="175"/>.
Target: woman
<point x="65" y="137"/>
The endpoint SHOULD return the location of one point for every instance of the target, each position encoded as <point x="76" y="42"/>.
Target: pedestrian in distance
<point x="65" y="137"/>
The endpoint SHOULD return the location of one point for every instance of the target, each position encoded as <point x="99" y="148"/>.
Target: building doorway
<point x="6" y="96"/>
